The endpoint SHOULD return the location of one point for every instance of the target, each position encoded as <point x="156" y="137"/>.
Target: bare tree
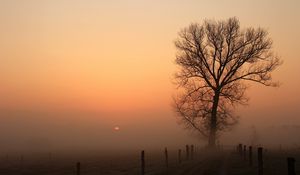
<point x="216" y="58"/>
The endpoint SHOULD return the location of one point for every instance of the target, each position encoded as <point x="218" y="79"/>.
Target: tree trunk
<point x="213" y="121"/>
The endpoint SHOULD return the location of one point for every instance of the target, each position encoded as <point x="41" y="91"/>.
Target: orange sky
<point x="117" y="57"/>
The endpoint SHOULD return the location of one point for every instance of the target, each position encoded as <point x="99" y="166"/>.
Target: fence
<point x="242" y="151"/>
<point x="254" y="157"/>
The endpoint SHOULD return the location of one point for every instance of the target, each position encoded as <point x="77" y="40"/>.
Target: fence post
<point x="241" y="149"/>
<point x="78" y="168"/>
<point x="187" y="152"/>
<point x="250" y="156"/>
<point x="260" y="160"/>
<point x="291" y="166"/>
<point x="245" y="152"/>
<point x="192" y="152"/>
<point x="166" y="156"/>
<point x="143" y="162"/>
<point x="179" y="155"/>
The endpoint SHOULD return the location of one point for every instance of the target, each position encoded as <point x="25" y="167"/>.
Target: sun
<point x="116" y="128"/>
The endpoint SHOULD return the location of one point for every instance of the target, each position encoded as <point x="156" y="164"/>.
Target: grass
<point x="204" y="163"/>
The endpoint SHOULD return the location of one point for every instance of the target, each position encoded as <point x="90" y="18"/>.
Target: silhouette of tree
<point x="215" y="60"/>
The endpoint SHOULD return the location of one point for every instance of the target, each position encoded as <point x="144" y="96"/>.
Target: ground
<point x="221" y="162"/>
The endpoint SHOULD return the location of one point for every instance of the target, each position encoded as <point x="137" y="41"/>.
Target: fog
<point x="70" y="131"/>
<point x="32" y="131"/>
<point x="71" y="71"/>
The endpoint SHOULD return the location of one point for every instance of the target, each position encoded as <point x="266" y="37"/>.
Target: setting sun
<point x="80" y="77"/>
<point x="116" y="128"/>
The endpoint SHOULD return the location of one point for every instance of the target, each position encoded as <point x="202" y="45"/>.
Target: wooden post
<point x="21" y="161"/>
<point x="250" y="156"/>
<point x="78" y="168"/>
<point x="187" y="152"/>
<point x="166" y="155"/>
<point x="179" y="155"/>
<point x="241" y="149"/>
<point x="291" y="166"/>
<point x="245" y="152"/>
<point x="192" y="152"/>
<point x="143" y="162"/>
<point x="260" y="160"/>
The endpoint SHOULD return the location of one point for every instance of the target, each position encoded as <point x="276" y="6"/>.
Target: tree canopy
<point x="215" y="60"/>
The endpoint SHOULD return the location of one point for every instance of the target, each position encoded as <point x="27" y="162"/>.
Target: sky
<point x="72" y="70"/>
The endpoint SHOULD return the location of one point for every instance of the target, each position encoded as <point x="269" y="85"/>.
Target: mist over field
<point x="60" y="131"/>
<point x="94" y="78"/>
<point x="25" y="131"/>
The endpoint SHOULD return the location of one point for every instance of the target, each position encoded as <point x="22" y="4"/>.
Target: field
<point x="204" y="162"/>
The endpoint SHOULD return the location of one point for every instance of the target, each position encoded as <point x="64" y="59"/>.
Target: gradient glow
<point x="97" y="63"/>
